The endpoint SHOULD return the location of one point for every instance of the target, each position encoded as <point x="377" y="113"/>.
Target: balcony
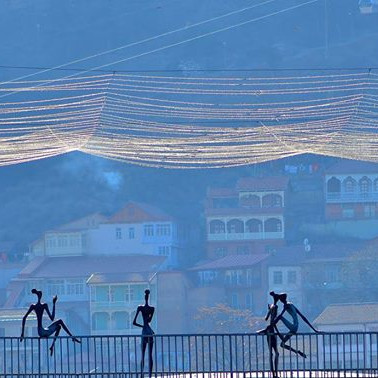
<point x="245" y="236"/>
<point x="115" y="306"/>
<point x="356" y="197"/>
<point x="231" y="355"/>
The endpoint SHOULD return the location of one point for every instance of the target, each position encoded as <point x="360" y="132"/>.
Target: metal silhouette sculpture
<point x="292" y="325"/>
<point x="147" y="312"/>
<point x="54" y="328"/>
<point x="271" y="333"/>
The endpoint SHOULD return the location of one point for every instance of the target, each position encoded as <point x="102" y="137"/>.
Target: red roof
<point x="262" y="183"/>
<point x="135" y="212"/>
<point x="232" y="261"/>
<point x="346" y="166"/>
<point x="84" y="266"/>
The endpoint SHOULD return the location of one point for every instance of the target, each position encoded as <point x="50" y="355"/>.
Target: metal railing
<point x="215" y="355"/>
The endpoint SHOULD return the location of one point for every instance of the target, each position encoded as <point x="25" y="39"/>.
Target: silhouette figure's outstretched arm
<point x="278" y="318"/>
<point x="31" y="308"/>
<point x="135" y="319"/>
<point x="268" y="314"/>
<point x="306" y="321"/>
<point x="51" y="316"/>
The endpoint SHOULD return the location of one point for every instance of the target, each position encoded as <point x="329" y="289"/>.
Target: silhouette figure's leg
<point x="56" y="334"/>
<point x="144" y="344"/>
<point x="61" y="323"/>
<point x="150" y="349"/>
<point x="288" y="347"/>
<point x="276" y="357"/>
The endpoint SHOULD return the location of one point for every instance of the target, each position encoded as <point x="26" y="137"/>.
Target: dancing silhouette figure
<point x="54" y="328"/>
<point x="147" y="312"/>
<point x="271" y="333"/>
<point x="292" y="325"/>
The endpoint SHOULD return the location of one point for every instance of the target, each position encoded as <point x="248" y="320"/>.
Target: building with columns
<point x="246" y="219"/>
<point x="351" y="199"/>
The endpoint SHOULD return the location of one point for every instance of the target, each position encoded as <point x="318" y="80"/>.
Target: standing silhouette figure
<point x="292" y="325"/>
<point x="54" y="328"/>
<point x="147" y="312"/>
<point x="271" y="332"/>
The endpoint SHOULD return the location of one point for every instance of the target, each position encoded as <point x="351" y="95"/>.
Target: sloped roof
<point x="99" y="278"/>
<point x="346" y="166"/>
<point x="84" y="266"/>
<point x="136" y="212"/>
<point x="14" y="315"/>
<point x="232" y="261"/>
<point x="353" y="313"/>
<point x="262" y="183"/>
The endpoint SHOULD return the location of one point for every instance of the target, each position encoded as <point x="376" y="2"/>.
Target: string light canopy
<point x="191" y="121"/>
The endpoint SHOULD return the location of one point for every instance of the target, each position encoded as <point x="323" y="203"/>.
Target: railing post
<point x="230" y="350"/>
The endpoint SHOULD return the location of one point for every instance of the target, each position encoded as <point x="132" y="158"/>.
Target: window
<point x="369" y="211"/>
<point x="220" y="251"/>
<point x="217" y="227"/>
<point x="348" y="211"/>
<point x="148" y="230"/>
<point x="163" y="229"/>
<point x="118" y="233"/>
<point x="163" y="250"/>
<point x="234" y="300"/>
<point x="131" y="233"/>
<point x="349" y="185"/>
<point x="277" y="277"/>
<point x="75" y="287"/>
<point x="129" y="294"/>
<point x="292" y="277"/>
<point x="55" y="287"/>
<point x="242" y="250"/>
<point x="248" y="301"/>
<point x="2" y="332"/>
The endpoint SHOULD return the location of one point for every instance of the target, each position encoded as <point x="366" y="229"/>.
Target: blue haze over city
<point x="210" y="243"/>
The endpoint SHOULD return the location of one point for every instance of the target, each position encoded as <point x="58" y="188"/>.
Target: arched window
<point x="365" y="184"/>
<point x="254" y="225"/>
<point x="349" y="185"/>
<point x="100" y="321"/>
<point x="273" y="225"/>
<point x="250" y="200"/>
<point x="217" y="227"/>
<point x="235" y="226"/>
<point x="376" y="185"/>
<point x="333" y="185"/>
<point x="272" y="200"/>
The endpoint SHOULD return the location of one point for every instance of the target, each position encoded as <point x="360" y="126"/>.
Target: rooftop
<point x="84" y="266"/>
<point x="137" y="212"/>
<point x="232" y="261"/>
<point x="352" y="313"/>
<point x="346" y="166"/>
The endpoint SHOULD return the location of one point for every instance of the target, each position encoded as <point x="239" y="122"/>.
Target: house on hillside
<point x="137" y="229"/>
<point x="348" y="350"/>
<point x="70" y="239"/>
<point x="351" y="199"/>
<point x="141" y="229"/>
<point x="246" y="219"/>
<point x="67" y="278"/>
<point x="238" y="281"/>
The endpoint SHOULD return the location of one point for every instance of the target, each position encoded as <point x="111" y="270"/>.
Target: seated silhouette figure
<point x="292" y="326"/>
<point x="147" y="312"/>
<point x="54" y="328"/>
<point x="271" y="333"/>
